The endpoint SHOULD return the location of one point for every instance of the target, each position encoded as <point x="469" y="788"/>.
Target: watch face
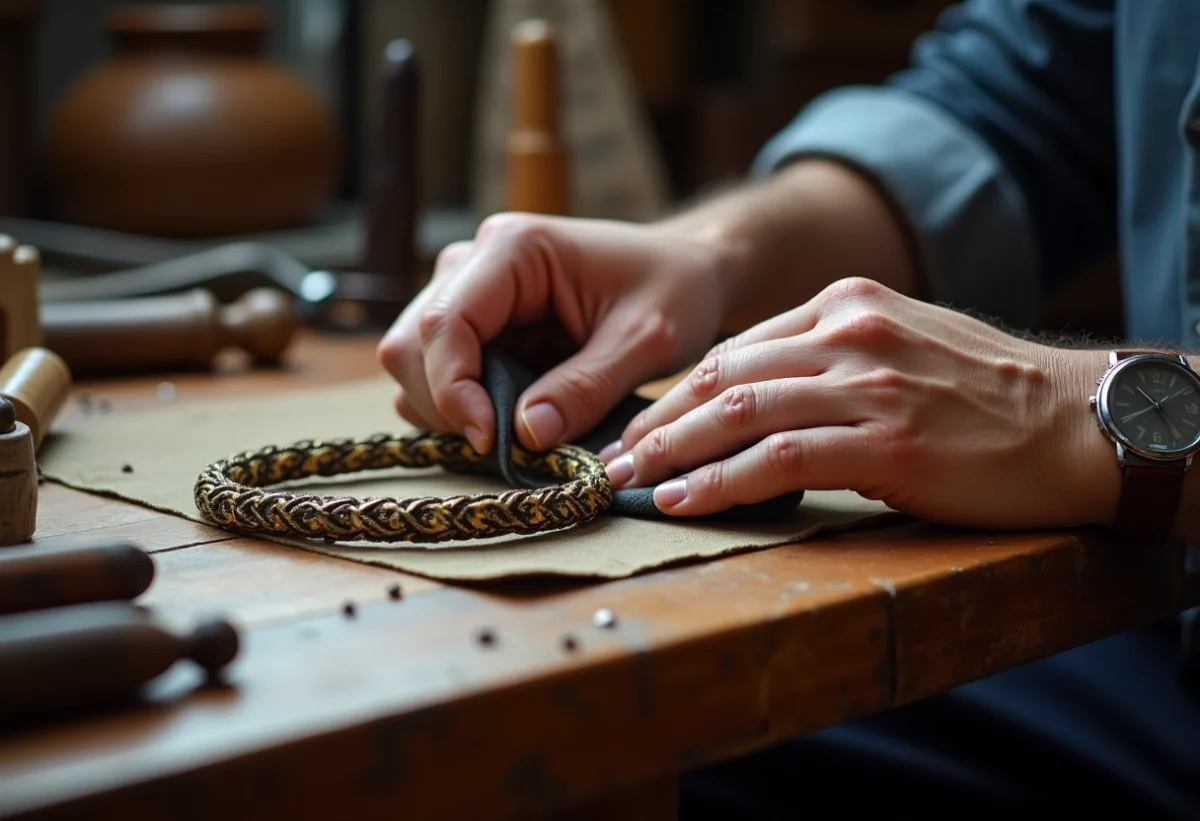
<point x="1153" y="404"/>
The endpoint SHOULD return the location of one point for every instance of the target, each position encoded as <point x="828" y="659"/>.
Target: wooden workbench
<point x="401" y="711"/>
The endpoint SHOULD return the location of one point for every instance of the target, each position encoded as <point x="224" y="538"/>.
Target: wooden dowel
<point x="18" y="479"/>
<point x="184" y="330"/>
<point x="38" y="577"/>
<point x="89" y="655"/>
<point x="536" y="156"/>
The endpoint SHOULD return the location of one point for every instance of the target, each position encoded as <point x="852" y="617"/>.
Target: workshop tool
<point x="39" y="577"/>
<point x="91" y="655"/>
<point x="18" y="479"/>
<point x="185" y="330"/>
<point x="37" y="382"/>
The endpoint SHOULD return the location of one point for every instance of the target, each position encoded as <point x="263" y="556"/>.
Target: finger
<point x="831" y="458"/>
<point x="406" y="410"/>
<point x="402" y="356"/>
<point x="759" y="362"/>
<point x="472" y="308"/>
<point x="573" y="397"/>
<point x="733" y="421"/>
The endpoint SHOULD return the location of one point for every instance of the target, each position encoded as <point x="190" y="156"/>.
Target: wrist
<point x="1091" y="455"/>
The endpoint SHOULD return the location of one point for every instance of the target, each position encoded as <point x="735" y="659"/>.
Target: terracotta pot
<point x="189" y="131"/>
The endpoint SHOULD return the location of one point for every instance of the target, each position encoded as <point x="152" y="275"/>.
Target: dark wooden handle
<point x="178" y="330"/>
<point x="65" y="659"/>
<point x="36" y="577"/>
<point x="390" y="214"/>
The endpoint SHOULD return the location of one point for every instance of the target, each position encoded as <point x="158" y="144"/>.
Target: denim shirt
<point x="1026" y="139"/>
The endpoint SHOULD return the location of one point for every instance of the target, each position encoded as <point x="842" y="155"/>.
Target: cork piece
<point x="19" y="326"/>
<point x="537" y="160"/>
<point x="36" y="381"/>
<point x="18" y="479"/>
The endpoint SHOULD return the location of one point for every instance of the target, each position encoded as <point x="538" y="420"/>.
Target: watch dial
<point x="1156" y="406"/>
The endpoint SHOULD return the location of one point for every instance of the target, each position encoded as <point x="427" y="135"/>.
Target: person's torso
<point x="1157" y="94"/>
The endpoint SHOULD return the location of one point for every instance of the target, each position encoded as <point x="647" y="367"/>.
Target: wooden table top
<point x="401" y="711"/>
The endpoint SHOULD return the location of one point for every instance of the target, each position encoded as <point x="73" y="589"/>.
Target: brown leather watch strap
<point x="1149" y="503"/>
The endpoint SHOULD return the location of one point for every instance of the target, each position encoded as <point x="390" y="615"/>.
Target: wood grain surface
<point x="506" y="700"/>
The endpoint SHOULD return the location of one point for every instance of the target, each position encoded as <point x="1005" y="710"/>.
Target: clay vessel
<point x="190" y="131"/>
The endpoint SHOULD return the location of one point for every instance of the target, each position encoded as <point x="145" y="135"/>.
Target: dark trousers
<point x="1108" y="730"/>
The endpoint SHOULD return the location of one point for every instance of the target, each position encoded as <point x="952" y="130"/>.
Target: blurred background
<point x="134" y="135"/>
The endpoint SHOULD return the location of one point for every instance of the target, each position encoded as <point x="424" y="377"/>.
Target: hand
<point x="931" y="411"/>
<point x="628" y="303"/>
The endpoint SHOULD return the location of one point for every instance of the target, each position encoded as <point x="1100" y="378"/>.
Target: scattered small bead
<point x="349" y="610"/>
<point x="395" y="593"/>
<point x="604" y="618"/>
<point x="105" y="406"/>
<point x="570" y="644"/>
<point x="486" y="637"/>
<point x="85" y="402"/>
<point x="127" y="468"/>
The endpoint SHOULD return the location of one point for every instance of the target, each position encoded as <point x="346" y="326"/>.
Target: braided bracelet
<point x="230" y="494"/>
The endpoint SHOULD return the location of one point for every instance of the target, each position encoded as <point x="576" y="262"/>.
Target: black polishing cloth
<point x="505" y="379"/>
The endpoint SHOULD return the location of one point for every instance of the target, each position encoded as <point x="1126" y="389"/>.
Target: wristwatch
<point x="1148" y="405"/>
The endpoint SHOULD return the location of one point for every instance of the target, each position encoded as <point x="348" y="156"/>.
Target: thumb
<point x="573" y="397"/>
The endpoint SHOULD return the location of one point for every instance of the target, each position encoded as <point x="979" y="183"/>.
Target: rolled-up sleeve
<point x="963" y="209"/>
<point x="996" y="147"/>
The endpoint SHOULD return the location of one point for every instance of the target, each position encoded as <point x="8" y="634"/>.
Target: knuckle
<point x="587" y="391"/>
<point x="704" y="378"/>
<point x="518" y="226"/>
<point x="737" y="406"/>
<point x="659" y="334"/>
<point x="886" y="386"/>
<point x="853" y="289"/>
<point x="708" y="481"/>
<point x="867" y="329"/>
<point x="656" y="446"/>
<point x="432" y="322"/>
<point x="784" y="454"/>
<point x="899" y="444"/>
<point x="450" y="256"/>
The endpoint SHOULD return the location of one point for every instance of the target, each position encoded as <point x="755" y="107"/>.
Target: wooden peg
<point x="37" y="577"/>
<point x="184" y="330"/>
<point x="537" y="161"/>
<point x="391" y="186"/>
<point x="88" y="655"/>
<point x="19" y="267"/>
<point x="18" y="478"/>
<point x="36" y="381"/>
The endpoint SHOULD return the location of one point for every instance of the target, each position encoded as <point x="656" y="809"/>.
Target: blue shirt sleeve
<point x="996" y="144"/>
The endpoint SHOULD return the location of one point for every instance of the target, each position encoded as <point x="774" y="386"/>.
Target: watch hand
<point x="1176" y="394"/>
<point x="1148" y="399"/>
<point x="1136" y="414"/>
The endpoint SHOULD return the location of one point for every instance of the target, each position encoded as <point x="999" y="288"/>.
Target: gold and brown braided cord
<point x="230" y="493"/>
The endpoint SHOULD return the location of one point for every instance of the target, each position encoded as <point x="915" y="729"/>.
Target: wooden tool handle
<point x="37" y="577"/>
<point x="390" y="214"/>
<point x="174" y="331"/>
<point x="537" y="161"/>
<point x="88" y="655"/>
<point x="18" y="480"/>
<point x="37" y="382"/>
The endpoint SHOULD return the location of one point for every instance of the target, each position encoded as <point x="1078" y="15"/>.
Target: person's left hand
<point x="933" y="412"/>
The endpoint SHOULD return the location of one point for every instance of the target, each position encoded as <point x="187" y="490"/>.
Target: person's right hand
<point x="631" y="302"/>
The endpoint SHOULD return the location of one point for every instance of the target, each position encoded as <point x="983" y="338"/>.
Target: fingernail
<point x="477" y="439"/>
<point x="621" y="470"/>
<point x="610" y="452"/>
<point x="544" y="424"/>
<point x="671" y="493"/>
